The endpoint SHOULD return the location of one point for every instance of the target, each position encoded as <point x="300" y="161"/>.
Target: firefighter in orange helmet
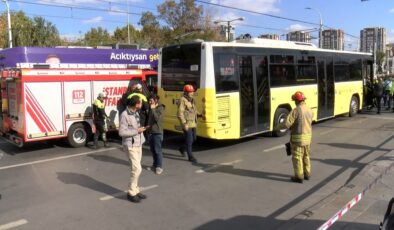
<point x="187" y="115"/>
<point x="299" y="121"/>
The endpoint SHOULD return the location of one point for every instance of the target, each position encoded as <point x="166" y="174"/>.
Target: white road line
<point x="274" y="148"/>
<point x="142" y="189"/>
<point x="57" y="158"/>
<point x="13" y="224"/>
<point x="217" y="166"/>
<point x="327" y="132"/>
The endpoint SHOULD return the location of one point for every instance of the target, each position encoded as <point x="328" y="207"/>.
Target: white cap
<point x="101" y="95"/>
<point x="138" y="86"/>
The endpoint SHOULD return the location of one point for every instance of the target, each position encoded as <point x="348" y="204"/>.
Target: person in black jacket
<point x="378" y="90"/>
<point x="155" y="129"/>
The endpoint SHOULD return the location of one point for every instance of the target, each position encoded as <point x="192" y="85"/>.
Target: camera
<point x="288" y="149"/>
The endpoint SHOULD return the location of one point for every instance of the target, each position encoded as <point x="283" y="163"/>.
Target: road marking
<point x="217" y="166"/>
<point x="142" y="189"/>
<point x="274" y="148"/>
<point x="57" y="158"/>
<point x="327" y="132"/>
<point x="13" y="224"/>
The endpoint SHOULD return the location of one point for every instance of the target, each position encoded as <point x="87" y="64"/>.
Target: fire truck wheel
<point x="77" y="135"/>
<point x="280" y="117"/>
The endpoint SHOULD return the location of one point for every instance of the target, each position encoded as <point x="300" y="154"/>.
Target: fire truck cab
<point x="49" y="101"/>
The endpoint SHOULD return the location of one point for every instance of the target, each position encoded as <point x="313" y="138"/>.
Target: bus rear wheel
<point x="280" y="117"/>
<point x="77" y="135"/>
<point x="353" y="110"/>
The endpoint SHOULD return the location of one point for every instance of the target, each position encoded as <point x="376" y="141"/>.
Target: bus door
<point x="254" y="94"/>
<point x="326" y="94"/>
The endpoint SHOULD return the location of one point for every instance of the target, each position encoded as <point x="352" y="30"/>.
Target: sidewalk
<point x="367" y="213"/>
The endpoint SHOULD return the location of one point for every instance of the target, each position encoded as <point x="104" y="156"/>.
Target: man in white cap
<point x="99" y="117"/>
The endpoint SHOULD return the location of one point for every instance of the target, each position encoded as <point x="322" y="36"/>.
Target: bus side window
<point x="282" y="70"/>
<point x="226" y="76"/>
<point x="282" y="75"/>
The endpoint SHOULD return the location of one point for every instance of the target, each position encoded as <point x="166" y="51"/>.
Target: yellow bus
<point x="244" y="88"/>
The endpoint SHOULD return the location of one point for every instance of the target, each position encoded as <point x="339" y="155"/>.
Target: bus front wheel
<point x="280" y="117"/>
<point x="353" y="110"/>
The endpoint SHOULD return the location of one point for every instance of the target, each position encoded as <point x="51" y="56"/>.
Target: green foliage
<point x="380" y="57"/>
<point x="28" y="32"/>
<point x="97" y="37"/>
<point x="183" y="21"/>
<point x="44" y="33"/>
<point x="121" y="35"/>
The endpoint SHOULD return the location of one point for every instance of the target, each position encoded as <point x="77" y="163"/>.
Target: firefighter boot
<point x="104" y="137"/>
<point x="95" y="145"/>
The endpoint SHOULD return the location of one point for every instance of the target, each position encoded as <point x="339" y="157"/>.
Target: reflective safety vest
<point x="299" y="121"/>
<point x="99" y="104"/>
<point x="99" y="110"/>
<point x="142" y="96"/>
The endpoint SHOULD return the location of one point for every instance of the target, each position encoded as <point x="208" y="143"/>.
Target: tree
<point x="3" y="31"/>
<point x="28" y="32"/>
<point x="151" y="33"/>
<point x="21" y="29"/>
<point x="183" y="16"/>
<point x="379" y="60"/>
<point x="45" y="34"/>
<point x="121" y="35"/>
<point x="97" y="37"/>
<point x="185" y="20"/>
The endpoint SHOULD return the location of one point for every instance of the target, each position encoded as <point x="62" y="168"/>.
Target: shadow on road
<point x="354" y="146"/>
<point x="88" y="182"/>
<point x="230" y="169"/>
<point x="11" y="149"/>
<point x="245" y="222"/>
<point x="109" y="159"/>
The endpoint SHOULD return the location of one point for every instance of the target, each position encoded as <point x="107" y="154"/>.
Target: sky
<point x="75" y="17"/>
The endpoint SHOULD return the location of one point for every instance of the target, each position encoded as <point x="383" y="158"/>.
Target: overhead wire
<point x="69" y="6"/>
<point x="76" y="7"/>
<point x="268" y="15"/>
<point x="73" y="18"/>
<point x="125" y="4"/>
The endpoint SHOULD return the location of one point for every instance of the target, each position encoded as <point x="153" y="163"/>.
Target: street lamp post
<point x="229" y="25"/>
<point x="128" y="23"/>
<point x="321" y="26"/>
<point x="9" y="24"/>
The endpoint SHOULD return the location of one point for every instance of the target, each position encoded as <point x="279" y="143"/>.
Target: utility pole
<point x="228" y="31"/>
<point x="128" y="23"/>
<point x="9" y="24"/>
<point x="229" y="25"/>
<point x="321" y="26"/>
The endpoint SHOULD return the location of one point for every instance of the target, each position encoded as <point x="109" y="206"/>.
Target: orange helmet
<point x="298" y="96"/>
<point x="188" y="88"/>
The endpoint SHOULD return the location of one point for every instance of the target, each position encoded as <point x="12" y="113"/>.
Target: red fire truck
<point x="39" y="102"/>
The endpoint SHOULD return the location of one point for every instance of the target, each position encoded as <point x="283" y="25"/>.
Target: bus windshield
<point x="181" y="64"/>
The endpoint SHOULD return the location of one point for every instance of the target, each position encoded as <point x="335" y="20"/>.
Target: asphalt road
<point x="241" y="184"/>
